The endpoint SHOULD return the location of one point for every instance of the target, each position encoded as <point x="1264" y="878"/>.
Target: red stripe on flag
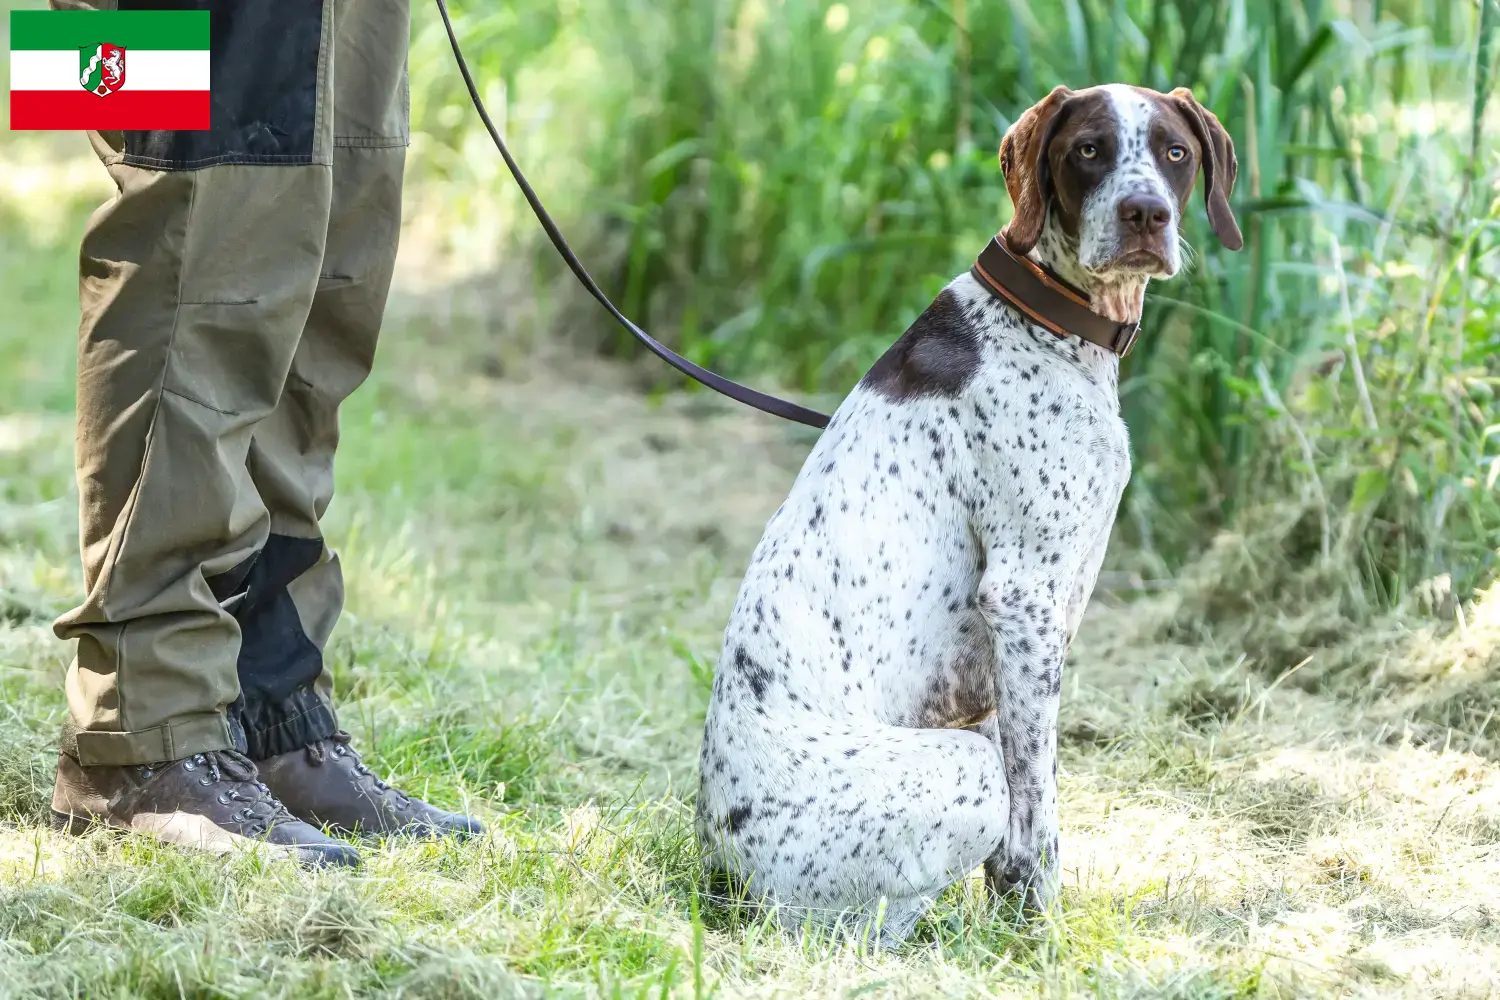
<point x="133" y="109"/>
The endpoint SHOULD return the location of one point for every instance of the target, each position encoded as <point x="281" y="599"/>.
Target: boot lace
<point x="338" y="746"/>
<point x="259" y="809"/>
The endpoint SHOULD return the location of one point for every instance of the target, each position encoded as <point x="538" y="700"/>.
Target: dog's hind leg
<point x="836" y="820"/>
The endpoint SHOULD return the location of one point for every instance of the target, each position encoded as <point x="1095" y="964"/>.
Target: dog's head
<point x="1115" y="167"/>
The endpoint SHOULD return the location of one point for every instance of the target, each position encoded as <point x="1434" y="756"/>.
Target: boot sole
<point x="213" y="840"/>
<point x="75" y="826"/>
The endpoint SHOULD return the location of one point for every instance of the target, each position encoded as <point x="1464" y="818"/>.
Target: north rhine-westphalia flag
<point x="83" y="69"/>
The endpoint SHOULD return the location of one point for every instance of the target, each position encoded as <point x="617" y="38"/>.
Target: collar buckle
<point x="1125" y="337"/>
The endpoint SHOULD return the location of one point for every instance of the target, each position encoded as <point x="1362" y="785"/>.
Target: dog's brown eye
<point x="1088" y="151"/>
<point x="1176" y="154"/>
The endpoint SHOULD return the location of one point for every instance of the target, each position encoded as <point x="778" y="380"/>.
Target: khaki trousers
<point x="231" y="295"/>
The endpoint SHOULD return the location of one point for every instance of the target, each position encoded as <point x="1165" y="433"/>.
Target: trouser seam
<point x="369" y="142"/>
<point x="322" y="146"/>
<point x="107" y="577"/>
<point x="194" y="399"/>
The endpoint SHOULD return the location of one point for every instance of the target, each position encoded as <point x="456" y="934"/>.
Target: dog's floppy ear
<point x="1220" y="167"/>
<point x="1028" y="175"/>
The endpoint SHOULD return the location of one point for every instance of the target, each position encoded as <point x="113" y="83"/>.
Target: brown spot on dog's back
<point x="937" y="356"/>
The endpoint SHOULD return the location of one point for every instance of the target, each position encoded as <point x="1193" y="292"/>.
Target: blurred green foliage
<point x="779" y="186"/>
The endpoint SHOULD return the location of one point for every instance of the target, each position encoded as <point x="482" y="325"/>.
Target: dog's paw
<point x="1034" y="885"/>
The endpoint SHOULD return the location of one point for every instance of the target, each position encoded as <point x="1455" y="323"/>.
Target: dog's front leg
<point x="1028" y="618"/>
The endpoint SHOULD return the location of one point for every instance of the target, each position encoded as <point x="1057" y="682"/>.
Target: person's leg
<point x="196" y="281"/>
<point x="285" y="687"/>
<point x="286" y="712"/>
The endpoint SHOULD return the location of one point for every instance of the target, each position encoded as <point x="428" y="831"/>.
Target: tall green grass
<point x="780" y="187"/>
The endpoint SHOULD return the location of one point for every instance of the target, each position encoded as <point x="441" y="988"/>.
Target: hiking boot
<point x="327" y="784"/>
<point x="209" y="801"/>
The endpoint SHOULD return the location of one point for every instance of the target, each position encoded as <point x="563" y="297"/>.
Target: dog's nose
<point x="1145" y="214"/>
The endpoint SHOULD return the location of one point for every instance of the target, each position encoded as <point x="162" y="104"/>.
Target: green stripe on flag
<point x="129" y="29"/>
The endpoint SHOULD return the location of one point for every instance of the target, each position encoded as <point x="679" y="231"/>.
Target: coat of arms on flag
<point x="101" y="68"/>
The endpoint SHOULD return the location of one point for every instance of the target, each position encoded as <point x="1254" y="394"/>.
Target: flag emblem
<point x="102" y="68"/>
<point x="68" y="69"/>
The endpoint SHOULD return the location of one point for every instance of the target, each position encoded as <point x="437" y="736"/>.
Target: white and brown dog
<point x="884" y="715"/>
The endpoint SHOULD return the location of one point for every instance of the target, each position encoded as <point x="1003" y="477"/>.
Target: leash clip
<point x="1125" y="337"/>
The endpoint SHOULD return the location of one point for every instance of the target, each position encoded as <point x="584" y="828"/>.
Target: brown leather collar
<point x="1048" y="300"/>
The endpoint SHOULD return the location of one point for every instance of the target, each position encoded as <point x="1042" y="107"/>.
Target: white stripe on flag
<point x="145" y="69"/>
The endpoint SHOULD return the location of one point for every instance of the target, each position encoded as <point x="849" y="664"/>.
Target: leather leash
<point x="1048" y="301"/>
<point x="750" y="397"/>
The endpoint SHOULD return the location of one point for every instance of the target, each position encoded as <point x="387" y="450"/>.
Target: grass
<point x="1279" y="746"/>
